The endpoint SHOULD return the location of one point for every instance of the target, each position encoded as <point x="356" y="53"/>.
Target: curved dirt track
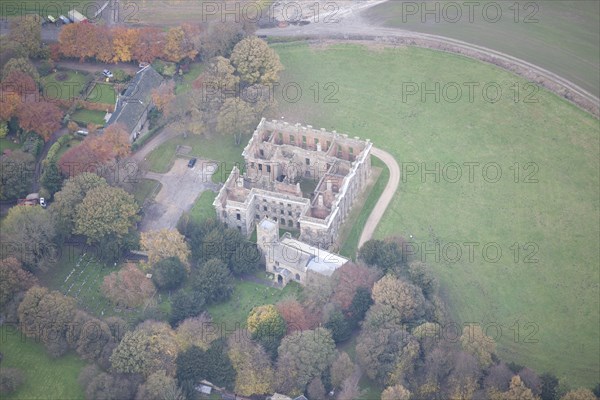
<point x="386" y="195"/>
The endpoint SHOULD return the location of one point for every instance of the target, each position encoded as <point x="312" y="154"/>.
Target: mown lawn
<point x="186" y="83"/>
<point x="550" y="208"/>
<point x="217" y="148"/>
<point x="202" y="209"/>
<point x="7" y="143"/>
<point x="246" y="295"/>
<point x="144" y="188"/>
<point x="359" y="216"/>
<point x="45" y="377"/>
<point x="68" y="89"/>
<point x="102" y="93"/>
<point x="84" y="117"/>
<point x="561" y="36"/>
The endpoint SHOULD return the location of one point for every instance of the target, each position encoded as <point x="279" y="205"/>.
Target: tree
<point x="163" y="96"/>
<point x="396" y="392"/>
<point x="295" y="316"/>
<point x="475" y="342"/>
<point x="516" y="391"/>
<point x="302" y="357"/>
<point x="23" y="86"/>
<point x="221" y="371"/>
<point x="27" y="31"/>
<point x="128" y="287"/>
<point x="163" y="244"/>
<point x="175" y="49"/>
<point x="498" y="378"/>
<point x="168" y="274"/>
<point x="404" y="297"/>
<point x="315" y="389"/>
<point x="47" y="315"/>
<point x="51" y="178"/>
<point x="41" y="117"/>
<point x="104" y="212"/>
<point x="348" y="278"/>
<point x="30" y="237"/>
<point x="213" y="280"/>
<point x="3" y="128"/>
<point x="10" y="380"/>
<point x="235" y="118"/>
<point x="420" y="274"/>
<point x="255" y="61"/>
<point x="341" y="369"/>
<point x="196" y="331"/>
<point x="124" y="41"/>
<point x="359" y="306"/>
<point x="23" y="65"/>
<point x="549" y="386"/>
<point x="254" y="372"/>
<point x="71" y="195"/>
<point x="150" y="45"/>
<point x="339" y="327"/>
<point x="579" y="394"/>
<point x="185" y="305"/>
<point x="191" y="365"/>
<point x="116" y="139"/>
<point x="151" y="347"/>
<point x="89" y="336"/>
<point x="110" y="387"/>
<point x="267" y="327"/>
<point x="384" y="254"/>
<point x="17" y="174"/>
<point x="159" y="386"/>
<point x="13" y="279"/>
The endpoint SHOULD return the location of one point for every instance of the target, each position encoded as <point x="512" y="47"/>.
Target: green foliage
<point x="51" y="178"/>
<point x="13" y="279"/>
<point x="10" y="380"/>
<point x="120" y="76"/>
<point x="267" y="327"/>
<point x="111" y="387"/>
<point x="30" y="224"/>
<point x="104" y="212"/>
<point x="385" y="255"/>
<point x="213" y="280"/>
<point x="51" y="311"/>
<point x="17" y="174"/>
<point x="3" y="129"/>
<point x="23" y="65"/>
<point x="221" y="371"/>
<point x="185" y="305"/>
<point x="549" y="387"/>
<point x="360" y="305"/>
<point x="168" y="274"/>
<point x="255" y="61"/>
<point x="32" y="144"/>
<point x="339" y="327"/>
<point x="45" y="67"/>
<point x="302" y="357"/>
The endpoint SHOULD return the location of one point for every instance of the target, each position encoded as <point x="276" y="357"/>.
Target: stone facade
<point x="292" y="260"/>
<point x="301" y="178"/>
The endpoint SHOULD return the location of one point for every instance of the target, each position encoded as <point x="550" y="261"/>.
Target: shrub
<point x="61" y="76"/>
<point x="10" y="380"/>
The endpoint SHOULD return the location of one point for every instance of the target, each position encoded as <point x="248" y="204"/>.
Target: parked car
<point x="43" y="202"/>
<point x="192" y="162"/>
<point x="107" y="73"/>
<point x="64" y="19"/>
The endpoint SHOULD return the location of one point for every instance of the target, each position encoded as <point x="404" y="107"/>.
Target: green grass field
<point x="233" y="314"/>
<point x="8" y="144"/>
<point x="558" y="214"/>
<point x="45" y="377"/>
<point x="68" y="89"/>
<point x="202" y="208"/>
<point x="102" y="93"/>
<point x="84" y="117"/>
<point x="144" y="188"/>
<point x="217" y="148"/>
<point x="561" y="36"/>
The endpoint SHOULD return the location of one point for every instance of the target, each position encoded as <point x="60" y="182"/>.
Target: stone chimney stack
<point x="320" y="201"/>
<point x="329" y="185"/>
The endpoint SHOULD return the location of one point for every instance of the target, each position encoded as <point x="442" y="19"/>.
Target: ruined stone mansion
<point x="301" y="178"/>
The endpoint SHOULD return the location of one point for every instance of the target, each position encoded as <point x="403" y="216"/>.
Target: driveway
<point x="180" y="188"/>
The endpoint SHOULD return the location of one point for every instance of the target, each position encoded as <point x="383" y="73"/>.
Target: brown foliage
<point x="42" y="117"/>
<point x="348" y="279"/>
<point x="13" y="279"/>
<point x="295" y="316"/>
<point x="128" y="287"/>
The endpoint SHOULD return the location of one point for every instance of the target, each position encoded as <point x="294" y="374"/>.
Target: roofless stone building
<point x="302" y="178"/>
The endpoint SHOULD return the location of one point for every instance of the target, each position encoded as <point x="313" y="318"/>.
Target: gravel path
<point x="386" y="196"/>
